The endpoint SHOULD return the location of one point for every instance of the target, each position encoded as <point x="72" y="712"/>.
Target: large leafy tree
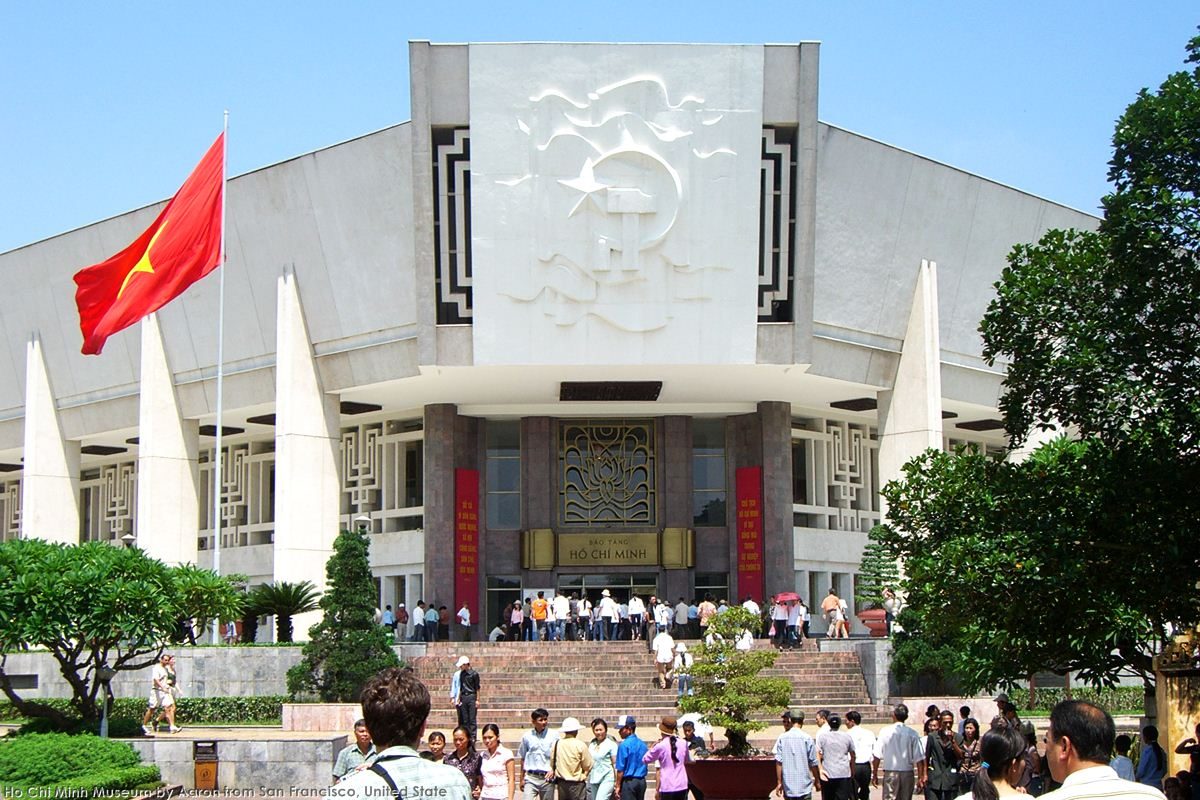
<point x="1101" y="328"/>
<point x="1084" y="555"/>
<point x="94" y="605"/>
<point x="347" y="647"/>
<point x="1018" y="567"/>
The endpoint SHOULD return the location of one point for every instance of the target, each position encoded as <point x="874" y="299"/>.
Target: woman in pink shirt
<point x="671" y="756"/>
<point x="498" y="766"/>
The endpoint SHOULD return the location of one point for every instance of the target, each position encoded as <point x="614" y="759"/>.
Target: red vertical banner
<point x="749" y="533"/>
<point x="466" y="542"/>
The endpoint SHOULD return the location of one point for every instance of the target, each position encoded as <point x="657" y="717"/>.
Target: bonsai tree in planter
<point x="728" y="687"/>
<point x="877" y="572"/>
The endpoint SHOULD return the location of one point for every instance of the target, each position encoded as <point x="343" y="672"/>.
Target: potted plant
<point x="729" y="692"/>
<point x="877" y="575"/>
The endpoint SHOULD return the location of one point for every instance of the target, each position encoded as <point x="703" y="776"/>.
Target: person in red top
<point x="401" y="622"/>
<point x="538" y="612"/>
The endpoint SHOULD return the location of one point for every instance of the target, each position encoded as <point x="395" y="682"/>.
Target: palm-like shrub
<point x="285" y="600"/>
<point x="728" y="688"/>
<point x="346" y="647"/>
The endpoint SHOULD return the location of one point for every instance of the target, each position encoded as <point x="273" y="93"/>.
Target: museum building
<point x="599" y="316"/>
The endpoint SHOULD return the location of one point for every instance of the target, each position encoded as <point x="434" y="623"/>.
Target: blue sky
<point x="107" y="106"/>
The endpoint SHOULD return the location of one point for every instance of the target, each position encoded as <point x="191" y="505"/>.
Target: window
<point x="708" y="472"/>
<point x="714" y="583"/>
<point x="383" y="474"/>
<point x="503" y="474"/>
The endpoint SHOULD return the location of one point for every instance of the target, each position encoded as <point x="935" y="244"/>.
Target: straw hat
<point x="667" y="726"/>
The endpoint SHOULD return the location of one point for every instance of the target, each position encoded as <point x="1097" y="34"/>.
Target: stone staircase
<point x="608" y="679"/>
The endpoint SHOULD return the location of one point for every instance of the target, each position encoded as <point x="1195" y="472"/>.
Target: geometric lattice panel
<point x="777" y="225"/>
<point x="452" y="224"/>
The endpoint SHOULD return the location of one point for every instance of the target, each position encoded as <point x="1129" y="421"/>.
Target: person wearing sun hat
<point x="608" y="615"/>
<point x="570" y="762"/>
<point x="670" y="754"/>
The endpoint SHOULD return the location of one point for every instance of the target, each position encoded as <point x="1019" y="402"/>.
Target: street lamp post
<point x="105" y="674"/>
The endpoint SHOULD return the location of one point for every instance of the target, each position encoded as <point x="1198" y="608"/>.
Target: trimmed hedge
<point x="267" y="710"/>
<point x="115" y="780"/>
<point x="1113" y="699"/>
<point x="59" y="759"/>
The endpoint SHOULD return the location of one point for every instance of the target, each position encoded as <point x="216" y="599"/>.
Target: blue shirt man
<point x="630" y="769"/>
<point x="534" y="755"/>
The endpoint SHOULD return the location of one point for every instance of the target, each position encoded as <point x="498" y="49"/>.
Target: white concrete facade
<point x="552" y="213"/>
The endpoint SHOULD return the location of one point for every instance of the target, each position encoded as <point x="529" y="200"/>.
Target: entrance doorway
<point x="620" y="584"/>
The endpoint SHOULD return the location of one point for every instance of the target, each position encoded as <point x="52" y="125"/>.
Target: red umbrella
<point x="784" y="597"/>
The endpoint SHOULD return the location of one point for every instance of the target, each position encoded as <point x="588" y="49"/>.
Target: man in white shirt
<point x="753" y="608"/>
<point x="560" y="608"/>
<point x="901" y="752"/>
<point x="1078" y="744"/>
<point x="464" y="622"/>
<point x="664" y="656"/>
<point x="608" y="615"/>
<point x="637" y="613"/>
<point x="864" y="747"/>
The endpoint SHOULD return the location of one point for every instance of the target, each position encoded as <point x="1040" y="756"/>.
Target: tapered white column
<point x="50" y="481"/>
<point x="306" y="446"/>
<point x="910" y="414"/>
<point x="168" y="500"/>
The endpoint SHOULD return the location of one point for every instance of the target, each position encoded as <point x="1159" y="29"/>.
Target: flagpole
<point x="218" y="478"/>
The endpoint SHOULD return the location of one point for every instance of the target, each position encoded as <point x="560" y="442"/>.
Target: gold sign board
<point x="617" y="549"/>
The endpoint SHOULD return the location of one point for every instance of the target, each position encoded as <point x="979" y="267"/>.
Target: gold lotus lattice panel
<point x="607" y="473"/>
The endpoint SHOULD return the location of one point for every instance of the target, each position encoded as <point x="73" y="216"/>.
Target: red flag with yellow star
<point x="178" y="249"/>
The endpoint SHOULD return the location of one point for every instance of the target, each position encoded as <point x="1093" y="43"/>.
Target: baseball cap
<point x="462" y="660"/>
<point x="626" y="721"/>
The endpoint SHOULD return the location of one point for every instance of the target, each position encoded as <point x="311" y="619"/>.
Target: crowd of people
<point x="953" y="760"/>
<point x="844" y="760"/>
<point x="577" y="764"/>
<point x="580" y="617"/>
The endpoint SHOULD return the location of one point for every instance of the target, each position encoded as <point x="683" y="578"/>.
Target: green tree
<point x="346" y="647"/>
<point x="92" y="605"/>
<point x="1016" y="567"/>
<point x="729" y="689"/>
<point x="284" y="600"/>
<point x="1082" y="556"/>
<point x="877" y="571"/>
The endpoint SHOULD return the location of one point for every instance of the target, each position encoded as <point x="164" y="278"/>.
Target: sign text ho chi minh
<point x="620" y="548"/>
